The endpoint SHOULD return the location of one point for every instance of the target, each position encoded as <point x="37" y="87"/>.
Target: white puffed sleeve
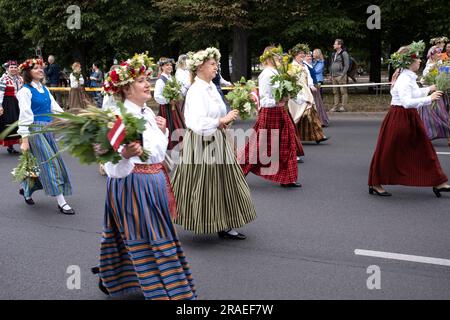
<point x="265" y="90"/>
<point x="159" y="88"/>
<point x="26" y="116"/>
<point x="119" y="170"/>
<point x="411" y="96"/>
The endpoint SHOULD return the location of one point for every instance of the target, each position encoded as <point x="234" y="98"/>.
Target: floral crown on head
<point x="163" y="61"/>
<point x="301" y="47"/>
<point x="438" y="40"/>
<point x="404" y="60"/>
<point x="30" y="63"/>
<point x="196" y="59"/>
<point x="271" y="53"/>
<point x="127" y="72"/>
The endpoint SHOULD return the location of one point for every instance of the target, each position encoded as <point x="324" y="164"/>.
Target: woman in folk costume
<point x="169" y="110"/>
<point x="404" y="155"/>
<point x="35" y="102"/>
<point x="78" y="99"/>
<point x="140" y="250"/>
<point x="275" y="129"/>
<point x="182" y="74"/>
<point x="436" y="118"/>
<point x="210" y="189"/>
<point x="10" y="84"/>
<point x="302" y="108"/>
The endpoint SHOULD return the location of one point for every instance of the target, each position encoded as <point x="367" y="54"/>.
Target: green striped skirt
<point x="210" y="189"/>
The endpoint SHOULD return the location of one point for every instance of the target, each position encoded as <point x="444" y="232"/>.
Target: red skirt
<point x="404" y="154"/>
<point x="280" y="165"/>
<point x="175" y="121"/>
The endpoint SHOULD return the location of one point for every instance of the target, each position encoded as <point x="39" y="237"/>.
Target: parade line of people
<point x="207" y="191"/>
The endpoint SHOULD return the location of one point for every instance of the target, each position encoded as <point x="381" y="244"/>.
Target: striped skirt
<point x="53" y="175"/>
<point x="210" y="190"/>
<point x="175" y="120"/>
<point x="309" y="127"/>
<point x="404" y="155"/>
<point x="280" y="143"/>
<point x="322" y="112"/>
<point x="436" y="119"/>
<point x="140" y="250"/>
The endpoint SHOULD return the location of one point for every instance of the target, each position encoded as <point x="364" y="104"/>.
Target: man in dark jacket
<point x="340" y="62"/>
<point x="52" y="72"/>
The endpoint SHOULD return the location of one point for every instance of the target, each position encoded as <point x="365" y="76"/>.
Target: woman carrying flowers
<point x="210" y="189"/>
<point x="140" y="250"/>
<point x="35" y="103"/>
<point x="280" y="141"/>
<point x="404" y="155"/>
<point x="168" y="93"/>
<point x="78" y="99"/>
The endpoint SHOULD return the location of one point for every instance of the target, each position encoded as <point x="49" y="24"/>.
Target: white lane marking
<point x="403" y="257"/>
<point x="444" y="153"/>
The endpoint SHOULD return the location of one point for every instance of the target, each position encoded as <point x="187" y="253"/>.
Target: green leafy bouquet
<point x="442" y="81"/>
<point x="85" y="135"/>
<point x="27" y="169"/>
<point x="240" y="98"/>
<point x="285" y="83"/>
<point x="172" y="90"/>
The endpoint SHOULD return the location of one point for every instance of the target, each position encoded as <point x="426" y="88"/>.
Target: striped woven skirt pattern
<point x="175" y="120"/>
<point x="53" y="175"/>
<point x="322" y="112"/>
<point x="285" y="169"/>
<point x="210" y="190"/>
<point x="404" y="155"/>
<point x="436" y="119"/>
<point x="140" y="250"/>
<point x="309" y="127"/>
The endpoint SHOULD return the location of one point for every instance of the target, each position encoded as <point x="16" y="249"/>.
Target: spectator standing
<point x="340" y="62"/>
<point x="97" y="82"/>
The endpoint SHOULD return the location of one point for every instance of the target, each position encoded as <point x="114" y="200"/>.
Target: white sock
<point x="62" y="201"/>
<point x="232" y="232"/>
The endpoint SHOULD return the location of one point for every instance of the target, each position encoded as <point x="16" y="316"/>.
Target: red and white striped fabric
<point x="117" y="134"/>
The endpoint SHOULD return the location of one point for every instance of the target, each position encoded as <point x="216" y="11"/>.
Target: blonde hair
<point x="319" y="53"/>
<point x="75" y="65"/>
<point x="267" y="49"/>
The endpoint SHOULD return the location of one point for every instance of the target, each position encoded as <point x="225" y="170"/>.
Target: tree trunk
<point x="240" y="54"/>
<point x="375" y="58"/>
<point x="224" y="60"/>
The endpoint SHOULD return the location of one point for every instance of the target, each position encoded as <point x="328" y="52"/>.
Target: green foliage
<point x="27" y="168"/>
<point x="240" y="98"/>
<point x="172" y="90"/>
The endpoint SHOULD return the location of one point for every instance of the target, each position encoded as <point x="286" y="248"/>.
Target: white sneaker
<point x="334" y="109"/>
<point x="341" y="109"/>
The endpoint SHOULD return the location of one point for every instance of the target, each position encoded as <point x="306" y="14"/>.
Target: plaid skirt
<point x="404" y="154"/>
<point x="274" y="137"/>
<point x="175" y="120"/>
<point x="140" y="250"/>
<point x="53" y="175"/>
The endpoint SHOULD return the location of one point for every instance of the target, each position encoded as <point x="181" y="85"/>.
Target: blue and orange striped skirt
<point x="140" y="250"/>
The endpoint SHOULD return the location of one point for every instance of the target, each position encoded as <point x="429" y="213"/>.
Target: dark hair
<point x="340" y="42"/>
<point x="27" y="77"/>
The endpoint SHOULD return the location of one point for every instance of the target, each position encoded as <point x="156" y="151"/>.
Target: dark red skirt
<point x="175" y="121"/>
<point x="10" y="115"/>
<point x="404" y="154"/>
<point x="282" y="166"/>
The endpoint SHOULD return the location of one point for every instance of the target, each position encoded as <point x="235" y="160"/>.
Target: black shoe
<point x="226" y="235"/>
<point x="437" y="191"/>
<point x="11" y="150"/>
<point x="96" y="270"/>
<point x="292" y="185"/>
<point x="381" y="194"/>
<point x="69" y="212"/>
<point x="300" y="160"/>
<point x="27" y="201"/>
<point x="322" y="140"/>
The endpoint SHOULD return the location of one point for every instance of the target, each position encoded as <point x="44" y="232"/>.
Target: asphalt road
<point x="301" y="246"/>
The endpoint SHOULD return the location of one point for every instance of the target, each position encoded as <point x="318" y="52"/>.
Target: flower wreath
<point x="271" y="53"/>
<point x="438" y="40"/>
<point x="195" y="60"/>
<point x="404" y="60"/>
<point x="301" y="47"/>
<point x="127" y="72"/>
<point x="30" y="63"/>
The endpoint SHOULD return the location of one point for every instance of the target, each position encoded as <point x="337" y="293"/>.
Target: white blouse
<point x="155" y="142"/>
<point x="204" y="107"/>
<point x="26" y="116"/>
<point x="74" y="83"/>
<point x="159" y="88"/>
<point x="407" y="93"/>
<point x="266" y="97"/>
<point x="184" y="77"/>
